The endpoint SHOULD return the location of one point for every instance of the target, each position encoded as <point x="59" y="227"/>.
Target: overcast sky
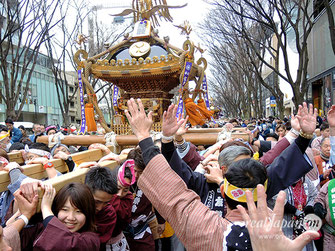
<point x="194" y="12"/>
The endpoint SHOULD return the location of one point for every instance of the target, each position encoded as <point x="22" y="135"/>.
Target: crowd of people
<point x="20" y="134"/>
<point x="173" y="195"/>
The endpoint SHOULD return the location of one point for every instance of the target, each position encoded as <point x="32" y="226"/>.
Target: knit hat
<point x="52" y="127"/>
<point x="56" y="146"/>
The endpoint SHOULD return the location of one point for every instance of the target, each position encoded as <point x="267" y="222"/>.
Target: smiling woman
<point x="72" y="217"/>
<point x="68" y="224"/>
<point x="74" y="206"/>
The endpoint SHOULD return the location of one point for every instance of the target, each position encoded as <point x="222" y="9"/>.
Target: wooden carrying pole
<point x="37" y="171"/>
<point x="214" y="130"/>
<point x="78" y="158"/>
<point x="75" y="176"/>
<point x="130" y="140"/>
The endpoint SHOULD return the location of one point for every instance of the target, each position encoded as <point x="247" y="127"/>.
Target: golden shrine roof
<point x="110" y="70"/>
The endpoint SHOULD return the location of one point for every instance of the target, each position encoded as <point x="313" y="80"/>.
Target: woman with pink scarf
<point x="122" y="203"/>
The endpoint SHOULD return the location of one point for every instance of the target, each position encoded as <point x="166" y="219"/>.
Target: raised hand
<point x="26" y="207"/>
<point x="307" y="118"/>
<point x="331" y="120"/>
<point x="170" y="123"/>
<point x="264" y="226"/>
<point x="140" y="123"/>
<point x="183" y="128"/>
<point x="48" y="198"/>
<point x="331" y="116"/>
<point x="295" y="122"/>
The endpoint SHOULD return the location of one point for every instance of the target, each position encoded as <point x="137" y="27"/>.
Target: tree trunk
<point x="280" y="108"/>
<point x="260" y="100"/>
<point x="66" y="119"/>
<point x="298" y="99"/>
<point x="249" y="106"/>
<point x="10" y="111"/>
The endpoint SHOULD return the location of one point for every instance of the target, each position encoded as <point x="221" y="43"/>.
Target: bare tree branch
<point x="259" y="29"/>
<point x="22" y="35"/>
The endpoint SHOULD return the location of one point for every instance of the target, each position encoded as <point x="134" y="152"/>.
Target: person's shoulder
<point x="319" y="138"/>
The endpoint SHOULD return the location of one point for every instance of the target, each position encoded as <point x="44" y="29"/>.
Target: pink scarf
<point x="128" y="163"/>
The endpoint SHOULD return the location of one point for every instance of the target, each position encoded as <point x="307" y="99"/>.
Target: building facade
<point x="74" y="107"/>
<point x="321" y="69"/>
<point x="41" y="104"/>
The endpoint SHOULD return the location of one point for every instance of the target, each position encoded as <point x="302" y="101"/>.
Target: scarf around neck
<point x="324" y="157"/>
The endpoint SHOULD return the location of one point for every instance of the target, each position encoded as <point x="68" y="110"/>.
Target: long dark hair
<point x="81" y="197"/>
